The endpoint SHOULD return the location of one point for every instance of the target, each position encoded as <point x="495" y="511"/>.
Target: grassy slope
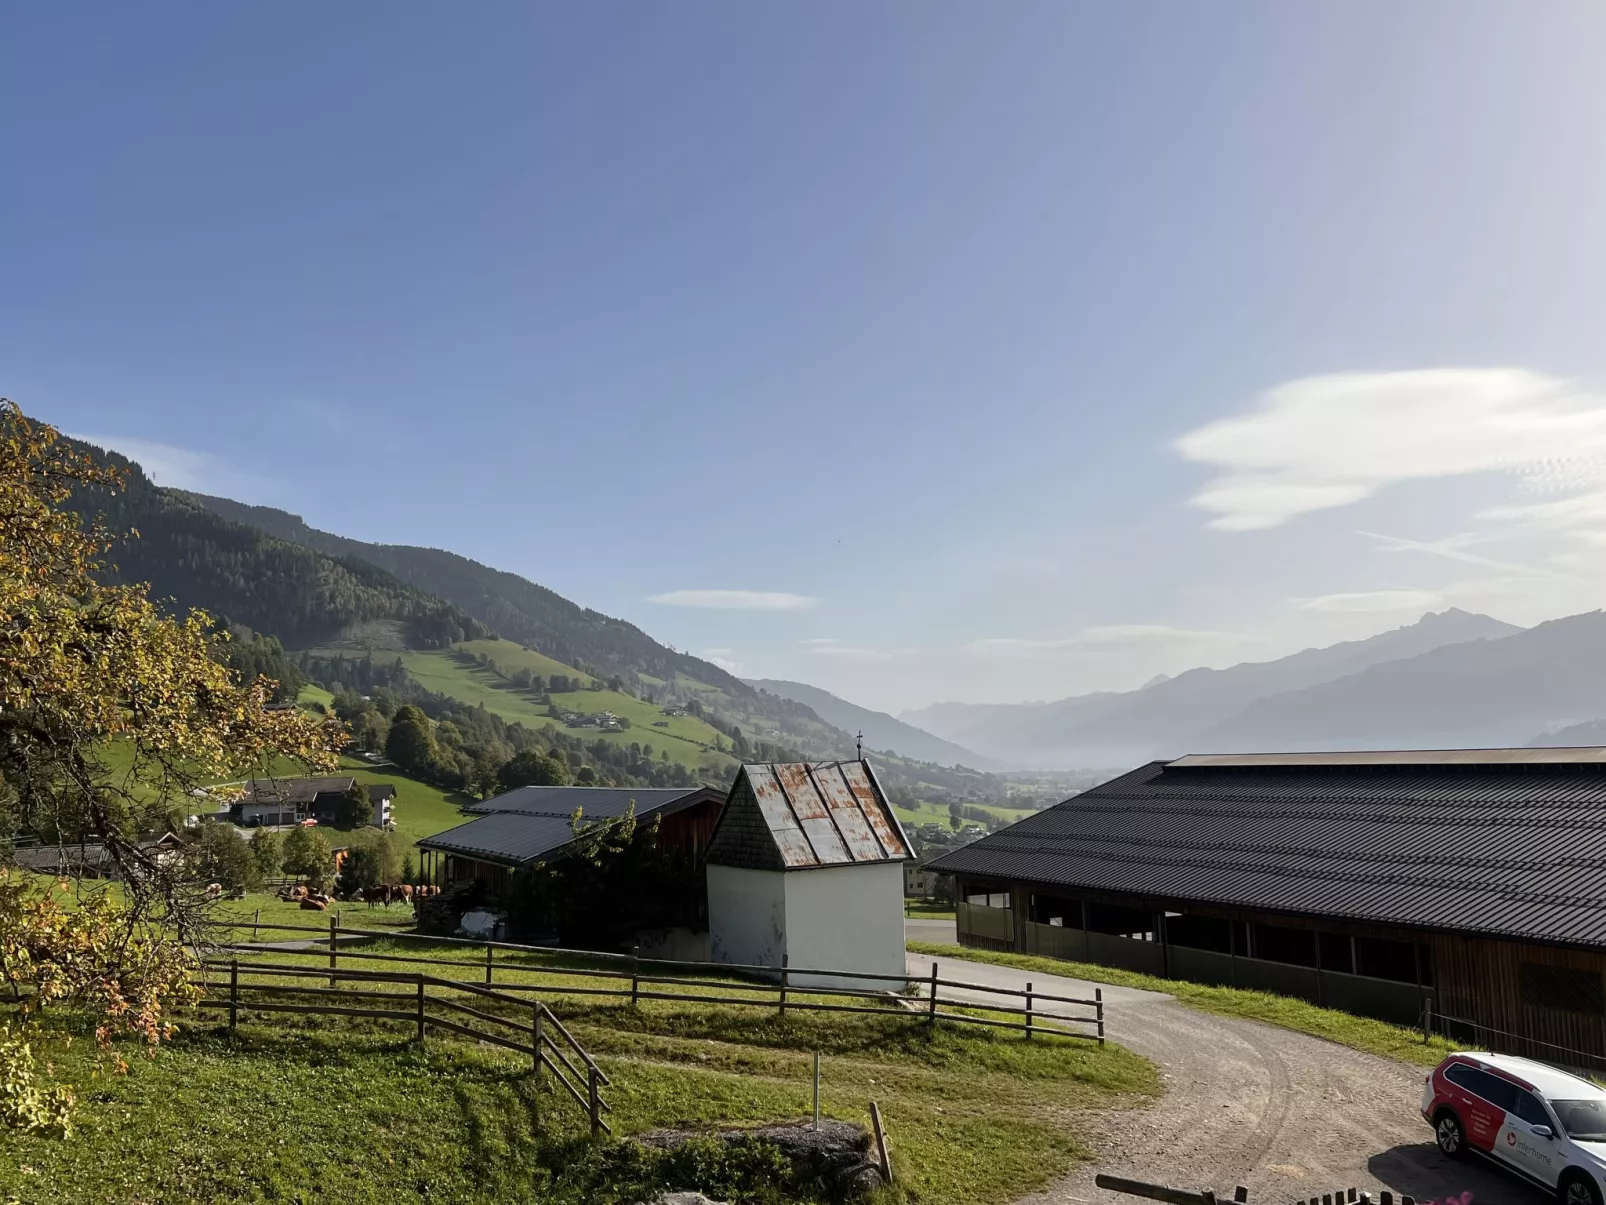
<point x="346" y="1111"/>
<point x="688" y="740"/>
<point x="419" y="809"/>
<point x="1360" y="1033"/>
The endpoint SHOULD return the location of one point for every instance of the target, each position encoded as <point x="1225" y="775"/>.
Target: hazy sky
<point x="917" y="350"/>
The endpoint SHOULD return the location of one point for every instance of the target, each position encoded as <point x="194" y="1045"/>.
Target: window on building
<point x="1566" y="989"/>
<point x="985" y="899"/>
<point x="1121" y="921"/>
<point x="1383" y="959"/>
<point x="1199" y="932"/>
<point x="1056" y="910"/>
<point x="1275" y="943"/>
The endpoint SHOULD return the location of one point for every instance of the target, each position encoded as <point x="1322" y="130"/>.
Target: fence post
<point x="234" y="993"/>
<point x="816" y="1091"/>
<point x="785" y="959"/>
<point x="420" y="1007"/>
<point x="931" y="1015"/>
<point x="334" y="943"/>
<point x="635" y="972"/>
<point x="256" y="921"/>
<point x="1427" y="1018"/>
<point x="490" y="960"/>
<point x="535" y="1037"/>
<point x="1028" y="1010"/>
<point x="1098" y="1001"/>
<point x="593" y="1099"/>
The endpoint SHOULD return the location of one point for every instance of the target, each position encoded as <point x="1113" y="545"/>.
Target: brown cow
<point x="214" y="891"/>
<point x="402" y="892"/>
<point x="311" y="905"/>
<point x="379" y="894"/>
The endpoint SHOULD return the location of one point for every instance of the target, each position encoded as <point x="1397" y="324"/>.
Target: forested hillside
<point x="506" y="603"/>
<point x="197" y="558"/>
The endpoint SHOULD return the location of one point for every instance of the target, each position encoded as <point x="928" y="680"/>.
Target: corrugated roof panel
<point x="1511" y="848"/>
<point x="828" y="814"/>
<point x="877" y="811"/>
<point x="850" y="821"/>
<point x="794" y="845"/>
<point x="596" y="802"/>
<point x="812" y="814"/>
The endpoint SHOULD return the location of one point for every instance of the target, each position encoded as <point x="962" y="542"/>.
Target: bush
<point x="24" y="1105"/>
<point x="267" y="851"/>
<point x="221" y="856"/>
<point x="616" y="1173"/>
<point x="372" y="858"/>
<point x="307" y="856"/>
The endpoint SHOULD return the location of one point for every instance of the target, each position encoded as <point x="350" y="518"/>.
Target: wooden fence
<point x="533" y="1037"/>
<point x="928" y="997"/>
<point x="1240" y="1195"/>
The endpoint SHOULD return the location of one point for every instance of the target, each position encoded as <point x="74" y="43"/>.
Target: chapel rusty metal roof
<point x="824" y="813"/>
<point x="1510" y="847"/>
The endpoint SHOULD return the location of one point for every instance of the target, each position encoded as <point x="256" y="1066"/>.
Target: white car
<point x="1546" y="1125"/>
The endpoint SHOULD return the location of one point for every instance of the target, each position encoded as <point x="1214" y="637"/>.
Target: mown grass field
<point x="321" y="1108"/>
<point x="1359" y="1033"/>
<point x="687" y="740"/>
<point x="419" y="809"/>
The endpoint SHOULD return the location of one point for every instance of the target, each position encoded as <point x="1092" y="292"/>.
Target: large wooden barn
<point x="1471" y="883"/>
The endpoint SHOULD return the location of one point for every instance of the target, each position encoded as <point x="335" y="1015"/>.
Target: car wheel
<point x="1451" y="1138"/>
<point x="1576" y="1189"/>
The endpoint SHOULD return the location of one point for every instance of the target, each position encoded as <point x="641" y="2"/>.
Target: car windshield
<point x="1584" y="1120"/>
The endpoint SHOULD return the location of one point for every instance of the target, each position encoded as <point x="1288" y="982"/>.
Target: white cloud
<point x="735" y="600"/>
<point x="1109" y="634"/>
<point x="1372" y="600"/>
<point x="166" y="464"/>
<point x="734" y="668"/>
<point x="1330" y="441"/>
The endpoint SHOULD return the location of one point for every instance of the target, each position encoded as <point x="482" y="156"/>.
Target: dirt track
<point x="1288" y="1115"/>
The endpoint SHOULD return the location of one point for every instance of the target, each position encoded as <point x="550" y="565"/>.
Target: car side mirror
<point x="1543" y="1132"/>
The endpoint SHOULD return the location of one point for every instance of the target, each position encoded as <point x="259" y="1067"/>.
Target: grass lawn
<point x="315" y="694"/>
<point x="1360" y="1033"/>
<point x="510" y="656"/>
<point x="320" y="1108"/>
<point x="928" y="910"/>
<point x="419" y="809"/>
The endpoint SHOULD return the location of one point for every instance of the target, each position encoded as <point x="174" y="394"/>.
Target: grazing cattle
<point x="402" y="892"/>
<point x="311" y="905"/>
<point x="214" y="891"/>
<point x="377" y="895"/>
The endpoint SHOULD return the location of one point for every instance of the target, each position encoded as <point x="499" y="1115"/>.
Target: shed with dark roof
<point x="806" y="868"/>
<point x="517" y="829"/>
<point x="1469" y="885"/>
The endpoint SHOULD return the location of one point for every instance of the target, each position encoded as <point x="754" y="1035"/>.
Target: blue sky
<point x="957" y="353"/>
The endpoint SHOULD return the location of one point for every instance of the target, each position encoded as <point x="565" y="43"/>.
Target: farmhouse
<point x="514" y="831"/>
<point x="277" y="801"/>
<point x="806" y="866"/>
<point x="1471" y="882"/>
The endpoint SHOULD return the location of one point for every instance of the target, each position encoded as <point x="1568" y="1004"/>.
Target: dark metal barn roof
<point x="535" y="823"/>
<point x="1513" y="846"/>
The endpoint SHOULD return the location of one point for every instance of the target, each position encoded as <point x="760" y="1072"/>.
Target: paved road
<point x="924" y="929"/>
<point x="1288" y="1115"/>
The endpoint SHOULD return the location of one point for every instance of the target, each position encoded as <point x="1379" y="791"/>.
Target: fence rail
<point x="532" y="1037"/>
<point x="747" y="985"/>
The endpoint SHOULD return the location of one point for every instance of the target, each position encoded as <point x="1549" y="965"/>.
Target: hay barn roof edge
<point x="1512" y="846"/>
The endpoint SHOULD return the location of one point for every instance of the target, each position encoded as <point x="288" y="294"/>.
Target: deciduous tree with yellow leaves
<point x="112" y="712"/>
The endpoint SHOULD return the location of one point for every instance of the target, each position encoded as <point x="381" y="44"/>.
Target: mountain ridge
<point x="1168" y="717"/>
<point x="881" y="731"/>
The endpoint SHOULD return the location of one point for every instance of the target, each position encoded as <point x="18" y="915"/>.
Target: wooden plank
<point x="881" y="1143"/>
<point x="1154" y="1192"/>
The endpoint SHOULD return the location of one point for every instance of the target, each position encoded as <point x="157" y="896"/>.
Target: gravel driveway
<point x="1288" y="1115"/>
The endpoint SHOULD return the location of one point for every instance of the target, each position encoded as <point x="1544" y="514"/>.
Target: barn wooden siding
<point x="1481" y="980"/>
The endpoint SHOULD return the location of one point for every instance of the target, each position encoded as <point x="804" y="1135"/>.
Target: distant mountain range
<point x="1450" y="679"/>
<point x="881" y="731"/>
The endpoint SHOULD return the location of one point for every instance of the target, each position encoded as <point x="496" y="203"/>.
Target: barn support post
<point x="420" y="1008"/>
<point x="234" y="993"/>
<point x="1087" y="942"/>
<point x="334" y="947"/>
<point x="785" y="958"/>
<point x="1165" y="943"/>
<point x="1232" y="949"/>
